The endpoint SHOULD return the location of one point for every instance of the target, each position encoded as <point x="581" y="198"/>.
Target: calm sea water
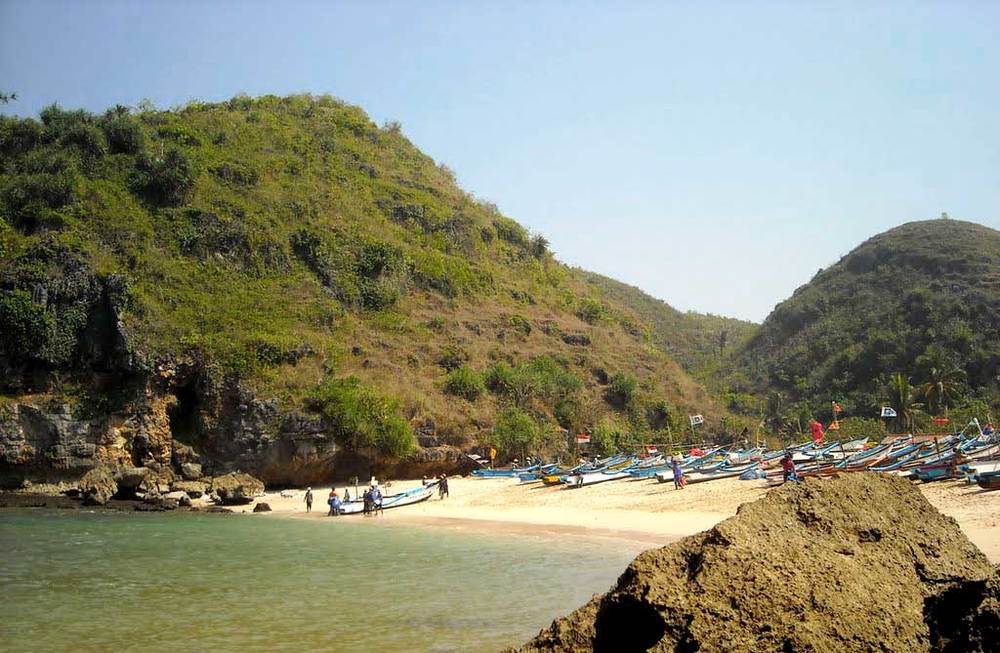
<point x="75" y="581"/>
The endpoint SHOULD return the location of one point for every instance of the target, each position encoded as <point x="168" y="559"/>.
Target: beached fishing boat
<point x="407" y="498"/>
<point x="989" y="481"/>
<point x="728" y="472"/>
<point x="511" y="472"/>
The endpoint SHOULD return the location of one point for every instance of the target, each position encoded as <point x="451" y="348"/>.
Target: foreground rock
<point x="237" y="488"/>
<point x="97" y="487"/>
<point x="853" y="563"/>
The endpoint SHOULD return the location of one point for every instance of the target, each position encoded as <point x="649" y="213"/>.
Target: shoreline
<point x="634" y="514"/>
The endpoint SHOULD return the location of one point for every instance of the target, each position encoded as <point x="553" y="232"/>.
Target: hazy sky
<point x="714" y="154"/>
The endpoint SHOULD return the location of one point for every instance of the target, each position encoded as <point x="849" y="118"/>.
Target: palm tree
<point x="901" y="397"/>
<point x="943" y="379"/>
<point x="775" y="416"/>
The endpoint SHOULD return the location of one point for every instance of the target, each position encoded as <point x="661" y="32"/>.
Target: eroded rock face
<point x="841" y="564"/>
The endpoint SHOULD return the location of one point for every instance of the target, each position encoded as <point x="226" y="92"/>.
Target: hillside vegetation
<point x="293" y="247"/>
<point x="909" y="318"/>
<point x="700" y="342"/>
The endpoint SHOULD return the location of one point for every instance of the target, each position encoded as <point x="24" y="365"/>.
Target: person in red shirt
<point x="788" y="467"/>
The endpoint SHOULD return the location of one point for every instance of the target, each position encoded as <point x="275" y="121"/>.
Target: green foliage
<point x="621" y="390"/>
<point x="591" y="311"/>
<point x="32" y="201"/>
<point x="515" y="433"/>
<point x="123" y="133"/>
<point x="464" y="382"/>
<point x="239" y="174"/>
<point x="167" y="181"/>
<point x="542" y="378"/>
<point x="510" y="231"/>
<point x="693" y="339"/>
<point x="452" y="357"/>
<point x="360" y="418"/>
<point x="612" y="435"/>
<point x="520" y="324"/>
<point x="853" y="428"/>
<point x="902" y="397"/>
<point x="24" y="326"/>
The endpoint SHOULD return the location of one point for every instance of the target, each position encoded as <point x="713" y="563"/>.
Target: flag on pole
<point x="834" y="426"/>
<point x="837" y="408"/>
<point x="888" y="411"/>
<point x="696" y="420"/>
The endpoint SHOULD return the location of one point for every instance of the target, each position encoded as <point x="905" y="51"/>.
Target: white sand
<point x="643" y="512"/>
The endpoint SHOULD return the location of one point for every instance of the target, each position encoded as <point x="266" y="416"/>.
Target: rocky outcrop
<point x="843" y="564"/>
<point x="194" y="489"/>
<point x="262" y="507"/>
<point x="236" y="488"/>
<point x="97" y="487"/>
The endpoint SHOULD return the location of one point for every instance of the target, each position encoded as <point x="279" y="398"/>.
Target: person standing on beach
<point x="309" y="499"/>
<point x="675" y="465"/>
<point x="443" y="486"/>
<point x="334" y="502"/>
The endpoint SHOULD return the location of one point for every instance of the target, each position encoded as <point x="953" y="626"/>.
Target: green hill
<point x="699" y="342"/>
<point x="920" y="299"/>
<point x="225" y="275"/>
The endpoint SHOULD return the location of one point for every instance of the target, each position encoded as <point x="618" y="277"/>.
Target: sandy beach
<point x="640" y="514"/>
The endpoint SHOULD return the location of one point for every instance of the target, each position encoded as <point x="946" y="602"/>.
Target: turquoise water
<point x="77" y="581"/>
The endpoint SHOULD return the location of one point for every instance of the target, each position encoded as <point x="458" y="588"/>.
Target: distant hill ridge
<point x="922" y="294"/>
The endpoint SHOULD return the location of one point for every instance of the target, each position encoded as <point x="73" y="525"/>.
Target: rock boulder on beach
<point x="194" y="489"/>
<point x="843" y="564"/>
<point x="97" y="486"/>
<point x="236" y="488"/>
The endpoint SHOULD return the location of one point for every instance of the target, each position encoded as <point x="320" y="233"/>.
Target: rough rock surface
<point x="236" y="488"/>
<point x="966" y="618"/>
<point x="262" y="507"/>
<point x="840" y="564"/>
<point x="97" y="487"/>
<point x="194" y="489"/>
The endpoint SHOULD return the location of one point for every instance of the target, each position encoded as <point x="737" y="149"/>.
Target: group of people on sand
<point x="372" y="498"/>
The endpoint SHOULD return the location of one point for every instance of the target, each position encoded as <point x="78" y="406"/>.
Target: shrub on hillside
<point x="85" y="138"/>
<point x="515" y="433"/>
<point x="360" y="418"/>
<point x="464" y="382"/>
<point x="237" y="174"/>
<point x="19" y="136"/>
<point x="542" y="377"/>
<point x="30" y="201"/>
<point x="591" y="311"/>
<point x="452" y="357"/>
<point x="621" y="390"/>
<point x="610" y="436"/>
<point x="123" y="133"/>
<point x="164" y="182"/>
<point x="24" y="326"/>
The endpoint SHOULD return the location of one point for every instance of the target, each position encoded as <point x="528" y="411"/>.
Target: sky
<point x="715" y="154"/>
